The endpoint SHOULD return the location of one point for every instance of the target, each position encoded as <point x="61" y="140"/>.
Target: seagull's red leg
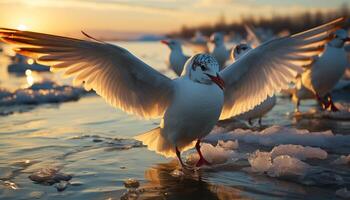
<point x="250" y="122"/>
<point x="201" y="160"/>
<point x="331" y="103"/>
<point x="178" y="154"/>
<point x="323" y="104"/>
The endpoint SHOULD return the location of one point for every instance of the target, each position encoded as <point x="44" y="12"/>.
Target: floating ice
<point x="299" y="152"/>
<point x="215" y="154"/>
<point x="343" y="193"/>
<point x="286" y="166"/>
<point x="260" y="161"/>
<point x="342" y="160"/>
<point x="282" y="165"/>
<point x="276" y="135"/>
<point x="45" y="92"/>
<point x="229" y="145"/>
<point x="21" y="64"/>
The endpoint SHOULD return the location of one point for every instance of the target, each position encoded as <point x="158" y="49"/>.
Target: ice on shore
<point x="38" y="93"/>
<point x="276" y="135"/>
<point x="342" y="160"/>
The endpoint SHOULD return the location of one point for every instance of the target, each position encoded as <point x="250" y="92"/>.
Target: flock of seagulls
<point x="205" y="91"/>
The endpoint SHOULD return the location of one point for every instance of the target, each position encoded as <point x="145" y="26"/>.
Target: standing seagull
<point x="264" y="107"/>
<point x="189" y="105"/>
<point x="325" y="72"/>
<point x="177" y="58"/>
<point x="220" y="52"/>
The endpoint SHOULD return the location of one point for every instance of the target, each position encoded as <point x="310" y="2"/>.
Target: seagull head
<point x="203" y="68"/>
<point x="172" y="44"/>
<point x="240" y="50"/>
<point x="217" y="38"/>
<point x="339" y="37"/>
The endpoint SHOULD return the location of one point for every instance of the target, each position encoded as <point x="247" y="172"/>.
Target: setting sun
<point x="22" y="27"/>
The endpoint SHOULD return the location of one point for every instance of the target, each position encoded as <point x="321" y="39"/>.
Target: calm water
<point x="92" y="141"/>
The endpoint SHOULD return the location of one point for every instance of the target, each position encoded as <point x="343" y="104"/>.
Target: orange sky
<point x="151" y="16"/>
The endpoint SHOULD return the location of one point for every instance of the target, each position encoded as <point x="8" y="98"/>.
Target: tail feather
<point x="155" y="141"/>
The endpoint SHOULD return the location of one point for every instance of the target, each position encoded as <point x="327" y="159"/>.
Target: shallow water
<point x="91" y="141"/>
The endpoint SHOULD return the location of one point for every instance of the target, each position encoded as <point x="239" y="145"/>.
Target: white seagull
<point x="219" y="51"/>
<point x="198" y="43"/>
<point x="177" y="58"/>
<point x="190" y="105"/>
<point x="324" y="73"/>
<point x="264" y="107"/>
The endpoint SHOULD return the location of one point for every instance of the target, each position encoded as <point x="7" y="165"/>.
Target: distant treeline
<point x="293" y="23"/>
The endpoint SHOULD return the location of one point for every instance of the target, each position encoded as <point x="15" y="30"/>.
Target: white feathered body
<point x="177" y="61"/>
<point x="192" y="114"/>
<point x="221" y="54"/>
<point x="326" y="71"/>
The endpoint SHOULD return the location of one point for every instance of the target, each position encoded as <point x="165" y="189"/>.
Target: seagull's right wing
<point x="271" y="67"/>
<point x="119" y="77"/>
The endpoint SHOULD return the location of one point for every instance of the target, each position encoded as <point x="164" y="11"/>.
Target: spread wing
<point x="270" y="68"/>
<point x="114" y="73"/>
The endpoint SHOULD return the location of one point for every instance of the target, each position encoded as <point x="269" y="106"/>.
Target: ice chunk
<point x="285" y="165"/>
<point x="260" y="161"/>
<point x="299" y="152"/>
<point x="276" y="135"/>
<point x="45" y="92"/>
<point x="214" y="154"/>
<point x="342" y="160"/>
<point x="229" y="145"/>
<point x="281" y="166"/>
<point x="343" y="193"/>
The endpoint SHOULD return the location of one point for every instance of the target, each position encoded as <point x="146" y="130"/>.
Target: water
<point x="91" y="141"/>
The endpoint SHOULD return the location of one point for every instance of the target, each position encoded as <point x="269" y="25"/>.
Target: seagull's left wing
<point x="114" y="73"/>
<point x="270" y="67"/>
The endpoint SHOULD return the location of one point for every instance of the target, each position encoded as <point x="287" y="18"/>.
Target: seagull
<point x="177" y="58"/>
<point x="190" y="105"/>
<point x="198" y="43"/>
<point x="324" y="73"/>
<point x="260" y="110"/>
<point x="220" y="52"/>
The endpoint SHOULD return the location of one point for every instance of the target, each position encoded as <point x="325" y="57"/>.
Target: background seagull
<point x="325" y="72"/>
<point x="189" y="105"/>
<point x="260" y="110"/>
<point x="219" y="51"/>
<point x="177" y="58"/>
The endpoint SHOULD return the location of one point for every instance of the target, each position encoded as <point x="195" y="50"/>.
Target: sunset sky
<point x="147" y="16"/>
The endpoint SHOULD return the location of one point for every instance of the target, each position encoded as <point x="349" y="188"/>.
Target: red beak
<point x="164" y="42"/>
<point x="217" y="80"/>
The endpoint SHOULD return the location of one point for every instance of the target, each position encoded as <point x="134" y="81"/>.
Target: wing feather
<point x="271" y="67"/>
<point x="119" y="77"/>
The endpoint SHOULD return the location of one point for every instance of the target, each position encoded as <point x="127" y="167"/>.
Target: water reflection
<point x="163" y="184"/>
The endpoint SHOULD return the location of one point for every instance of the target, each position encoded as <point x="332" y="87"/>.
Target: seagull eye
<point x="203" y="68"/>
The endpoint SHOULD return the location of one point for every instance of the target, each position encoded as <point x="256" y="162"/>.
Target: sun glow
<point x="22" y="27"/>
